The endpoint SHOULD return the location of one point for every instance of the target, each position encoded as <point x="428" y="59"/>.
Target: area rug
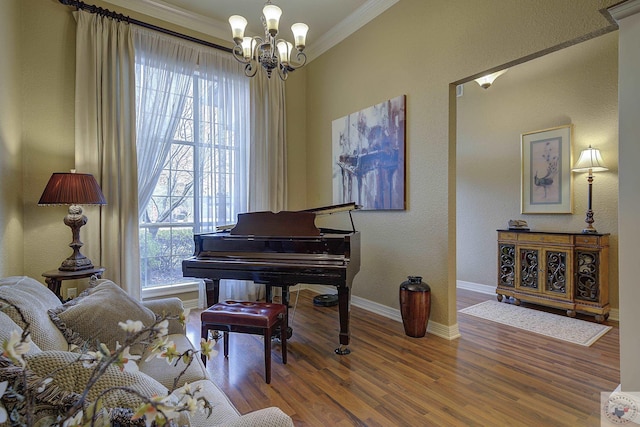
<point x="552" y="325"/>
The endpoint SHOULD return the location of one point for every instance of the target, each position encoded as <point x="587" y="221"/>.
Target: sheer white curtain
<point x="268" y="157"/>
<point x="105" y="143"/>
<point x="268" y="152"/>
<point x="227" y="88"/>
<point x="164" y="71"/>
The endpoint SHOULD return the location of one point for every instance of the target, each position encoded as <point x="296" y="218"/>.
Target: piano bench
<point x="247" y="317"/>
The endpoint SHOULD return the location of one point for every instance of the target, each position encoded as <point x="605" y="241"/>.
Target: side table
<point x="54" y="278"/>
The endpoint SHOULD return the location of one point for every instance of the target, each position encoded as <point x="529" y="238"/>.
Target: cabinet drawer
<point x="587" y="240"/>
<point x="545" y="238"/>
<point x="505" y="235"/>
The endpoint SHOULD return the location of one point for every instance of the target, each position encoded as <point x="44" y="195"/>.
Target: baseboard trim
<point x="614" y="314"/>
<point x="476" y="287"/>
<point x="447" y="332"/>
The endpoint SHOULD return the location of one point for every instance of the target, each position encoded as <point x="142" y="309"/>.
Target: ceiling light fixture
<point x="486" y="81"/>
<point x="269" y="52"/>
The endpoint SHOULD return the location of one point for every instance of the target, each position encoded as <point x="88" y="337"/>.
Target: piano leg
<point x="268" y="292"/>
<point x="285" y="301"/>
<point x="213" y="297"/>
<point x="343" y="308"/>
<point x="213" y="291"/>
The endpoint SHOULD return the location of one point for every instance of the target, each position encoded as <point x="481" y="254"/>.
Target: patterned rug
<point x="552" y="325"/>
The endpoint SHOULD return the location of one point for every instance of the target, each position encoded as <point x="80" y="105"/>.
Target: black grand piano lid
<point x="287" y="223"/>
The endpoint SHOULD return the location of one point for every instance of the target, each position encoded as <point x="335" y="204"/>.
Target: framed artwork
<point x="368" y="149"/>
<point x="546" y="171"/>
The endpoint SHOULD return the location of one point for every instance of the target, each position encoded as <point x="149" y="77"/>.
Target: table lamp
<point x="73" y="189"/>
<point x="590" y="161"/>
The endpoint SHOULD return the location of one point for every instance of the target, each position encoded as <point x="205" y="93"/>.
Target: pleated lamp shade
<point x="72" y="189"/>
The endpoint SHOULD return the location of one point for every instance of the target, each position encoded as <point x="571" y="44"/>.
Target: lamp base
<point x="590" y="231"/>
<point x="76" y="262"/>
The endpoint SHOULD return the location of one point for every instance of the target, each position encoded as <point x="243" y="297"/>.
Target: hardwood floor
<point x="494" y="375"/>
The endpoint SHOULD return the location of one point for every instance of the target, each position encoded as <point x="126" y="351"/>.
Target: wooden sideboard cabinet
<point x="569" y="271"/>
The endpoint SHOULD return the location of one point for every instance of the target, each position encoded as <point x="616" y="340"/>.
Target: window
<point x="202" y="182"/>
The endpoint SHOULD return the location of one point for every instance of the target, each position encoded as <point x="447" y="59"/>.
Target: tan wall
<point x="579" y="86"/>
<point x="10" y="141"/>
<point x="48" y="71"/>
<point x="418" y="48"/>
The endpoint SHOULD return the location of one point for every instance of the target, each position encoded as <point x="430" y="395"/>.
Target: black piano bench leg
<point x="342" y="350"/>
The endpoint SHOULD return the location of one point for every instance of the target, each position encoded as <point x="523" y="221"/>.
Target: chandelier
<point x="269" y="52"/>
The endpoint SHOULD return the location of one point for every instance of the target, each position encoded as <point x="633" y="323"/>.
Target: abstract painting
<point x="369" y="156"/>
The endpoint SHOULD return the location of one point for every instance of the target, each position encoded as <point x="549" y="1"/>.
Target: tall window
<point x="201" y="179"/>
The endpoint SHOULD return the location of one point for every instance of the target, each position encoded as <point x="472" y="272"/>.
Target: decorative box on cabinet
<point x="569" y="271"/>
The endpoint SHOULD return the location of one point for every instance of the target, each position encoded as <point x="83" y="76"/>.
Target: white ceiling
<point x="329" y="21"/>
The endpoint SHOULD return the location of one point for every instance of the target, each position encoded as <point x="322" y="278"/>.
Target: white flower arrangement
<point x="18" y="397"/>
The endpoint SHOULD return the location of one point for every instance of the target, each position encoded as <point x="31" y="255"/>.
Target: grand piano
<point x="281" y="250"/>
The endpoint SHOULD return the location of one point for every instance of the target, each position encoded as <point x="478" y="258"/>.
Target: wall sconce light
<point x="73" y="189"/>
<point x="590" y="161"/>
<point x="486" y="81"/>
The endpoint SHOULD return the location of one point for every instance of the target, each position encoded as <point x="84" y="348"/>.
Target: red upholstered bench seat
<point x="248" y="317"/>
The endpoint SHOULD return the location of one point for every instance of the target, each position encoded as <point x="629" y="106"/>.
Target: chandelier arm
<point x="250" y="69"/>
<point x="301" y="59"/>
<point x="282" y="72"/>
<point x="239" y="55"/>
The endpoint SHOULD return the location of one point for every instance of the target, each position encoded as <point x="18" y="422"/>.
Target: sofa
<point x="58" y="329"/>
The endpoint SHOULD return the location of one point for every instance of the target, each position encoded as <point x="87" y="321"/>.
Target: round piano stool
<point x="248" y="317"/>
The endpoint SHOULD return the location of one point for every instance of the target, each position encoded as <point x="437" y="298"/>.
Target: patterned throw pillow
<point x="93" y="317"/>
<point x="70" y="376"/>
<point x="34" y="299"/>
<point x="7" y="326"/>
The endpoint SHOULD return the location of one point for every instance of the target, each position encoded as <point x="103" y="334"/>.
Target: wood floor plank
<point x="493" y="375"/>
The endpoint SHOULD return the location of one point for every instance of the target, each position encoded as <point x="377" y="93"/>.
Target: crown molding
<point x="352" y="23"/>
<point x="170" y="13"/>
<point x="167" y="12"/>
<point x="624" y="10"/>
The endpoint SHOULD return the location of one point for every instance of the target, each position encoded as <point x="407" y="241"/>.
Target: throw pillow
<point x="94" y="315"/>
<point x="70" y="377"/>
<point x="34" y="299"/>
<point x="7" y="326"/>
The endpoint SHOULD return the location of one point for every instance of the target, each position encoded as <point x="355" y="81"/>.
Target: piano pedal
<point x="276" y="333"/>
<point x="343" y="350"/>
<point x="215" y="335"/>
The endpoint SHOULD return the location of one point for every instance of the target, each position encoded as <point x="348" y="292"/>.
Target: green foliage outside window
<point x="162" y="251"/>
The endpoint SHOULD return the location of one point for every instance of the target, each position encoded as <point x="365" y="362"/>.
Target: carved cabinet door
<point x="528" y="269"/>
<point x="557" y="271"/>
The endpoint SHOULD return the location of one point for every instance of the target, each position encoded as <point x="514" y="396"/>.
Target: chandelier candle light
<point x="590" y="161"/>
<point x="73" y="189"/>
<point x="269" y="52"/>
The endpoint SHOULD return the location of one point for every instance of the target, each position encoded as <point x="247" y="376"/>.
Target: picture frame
<point x="546" y="181"/>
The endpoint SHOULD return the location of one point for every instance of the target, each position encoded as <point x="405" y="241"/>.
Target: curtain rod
<point x="120" y="17"/>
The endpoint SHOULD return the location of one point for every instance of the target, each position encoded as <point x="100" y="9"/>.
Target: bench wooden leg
<point x="283" y="339"/>
<point x="267" y="355"/>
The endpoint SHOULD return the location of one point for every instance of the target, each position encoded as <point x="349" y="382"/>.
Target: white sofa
<point x="96" y="312"/>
